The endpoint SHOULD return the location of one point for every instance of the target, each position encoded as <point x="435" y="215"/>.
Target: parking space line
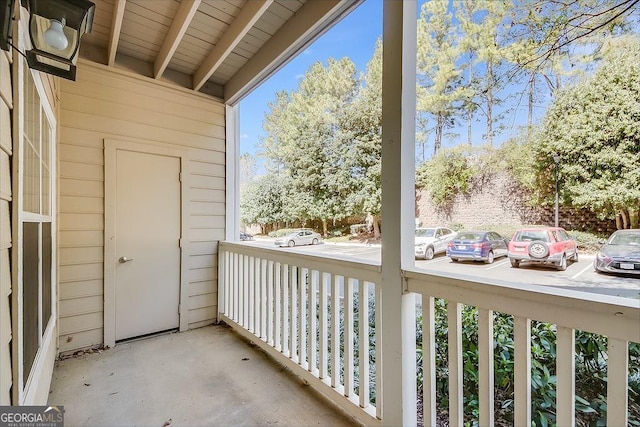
<point x="575" y="276"/>
<point x="498" y="264"/>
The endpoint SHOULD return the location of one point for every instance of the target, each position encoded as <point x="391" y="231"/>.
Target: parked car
<point x="545" y="245"/>
<point x="431" y="241"/>
<point x="245" y="236"/>
<point x="620" y="253"/>
<point x="299" y="237"/>
<point x="477" y="246"/>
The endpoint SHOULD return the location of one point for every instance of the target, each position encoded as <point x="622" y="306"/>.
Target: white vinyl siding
<point x="6" y="148"/>
<point x="103" y="104"/>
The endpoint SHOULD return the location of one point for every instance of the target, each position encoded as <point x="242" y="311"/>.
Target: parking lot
<point x="578" y="276"/>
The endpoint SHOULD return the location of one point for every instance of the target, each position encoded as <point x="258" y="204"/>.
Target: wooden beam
<point x="181" y="22"/>
<point x="250" y="13"/>
<point x="116" y="26"/>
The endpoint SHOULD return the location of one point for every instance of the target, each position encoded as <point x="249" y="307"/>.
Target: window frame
<point x="26" y="384"/>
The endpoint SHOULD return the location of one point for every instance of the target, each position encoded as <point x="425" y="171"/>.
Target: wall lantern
<point x="6" y="17"/>
<point x="55" y="29"/>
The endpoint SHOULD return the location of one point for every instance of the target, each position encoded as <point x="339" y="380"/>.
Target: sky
<point x="355" y="37"/>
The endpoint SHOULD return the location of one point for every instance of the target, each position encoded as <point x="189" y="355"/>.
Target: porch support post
<point x="232" y="146"/>
<point x="232" y="193"/>
<point x="398" y="212"/>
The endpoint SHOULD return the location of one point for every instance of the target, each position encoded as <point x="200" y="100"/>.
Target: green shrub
<point x="446" y="175"/>
<point x="590" y="370"/>
<point x="588" y="242"/>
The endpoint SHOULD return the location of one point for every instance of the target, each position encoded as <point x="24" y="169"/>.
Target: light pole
<point x="556" y="160"/>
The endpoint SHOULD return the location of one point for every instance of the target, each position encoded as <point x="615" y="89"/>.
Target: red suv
<point x="545" y="245"/>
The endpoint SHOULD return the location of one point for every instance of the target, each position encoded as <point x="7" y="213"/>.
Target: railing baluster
<point x="348" y="336"/>
<point x="284" y="296"/>
<point x="256" y="296"/>
<point x="293" y="312"/>
<point x="313" y="321"/>
<point x="363" y="345"/>
<point x="271" y="283"/>
<point x="240" y="286"/>
<point x="485" y="366"/>
<point x="236" y="286"/>
<point x="429" y="409"/>
<point x="617" y="382"/>
<point x="230" y="285"/>
<point x="278" y="314"/>
<point x="226" y="282"/>
<point x="324" y="341"/>
<point x="335" y="330"/>
<point x="566" y="377"/>
<point x="378" y="337"/>
<point x="302" y="305"/>
<point x="261" y="277"/>
<point x="250" y="294"/>
<point x="522" y="371"/>
<point x="456" y="404"/>
<point x="243" y="292"/>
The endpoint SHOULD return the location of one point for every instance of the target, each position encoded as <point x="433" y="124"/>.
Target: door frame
<point x="110" y="174"/>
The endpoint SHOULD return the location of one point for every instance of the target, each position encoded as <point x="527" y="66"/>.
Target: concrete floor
<point x="204" y="377"/>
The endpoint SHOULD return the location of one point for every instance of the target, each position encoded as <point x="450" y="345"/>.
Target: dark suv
<point x="545" y="245"/>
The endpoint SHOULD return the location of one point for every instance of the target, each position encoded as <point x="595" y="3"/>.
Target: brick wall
<point x="498" y="201"/>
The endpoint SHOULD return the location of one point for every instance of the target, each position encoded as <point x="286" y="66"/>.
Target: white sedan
<point x="431" y="241"/>
<point x="299" y="237"/>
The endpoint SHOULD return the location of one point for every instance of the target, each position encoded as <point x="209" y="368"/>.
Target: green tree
<point x="594" y="128"/>
<point x="361" y="144"/>
<point x="439" y="90"/>
<point x="550" y="41"/>
<point x="279" y="126"/>
<point x="446" y="175"/>
<point x="466" y="11"/>
<point x="488" y="49"/>
<point x="263" y="200"/>
<point x="303" y="140"/>
<point x="554" y="25"/>
<point x="248" y="168"/>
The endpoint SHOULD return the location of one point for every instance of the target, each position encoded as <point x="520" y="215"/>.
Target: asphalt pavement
<point x="579" y="276"/>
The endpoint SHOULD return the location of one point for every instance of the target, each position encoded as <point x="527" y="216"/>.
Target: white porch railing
<point x="300" y="309"/>
<point x="616" y="318"/>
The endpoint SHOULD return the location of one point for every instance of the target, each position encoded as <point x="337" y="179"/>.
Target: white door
<point x="147" y="243"/>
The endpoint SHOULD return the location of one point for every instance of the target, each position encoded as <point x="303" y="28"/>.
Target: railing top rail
<point x="602" y="314"/>
<point x="367" y="270"/>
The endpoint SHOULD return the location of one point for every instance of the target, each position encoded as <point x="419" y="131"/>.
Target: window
<point x="35" y="219"/>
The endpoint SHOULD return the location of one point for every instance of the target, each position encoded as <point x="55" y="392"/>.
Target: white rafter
<point x="248" y="16"/>
<point x="179" y="26"/>
<point x="116" y="25"/>
<point x="305" y="26"/>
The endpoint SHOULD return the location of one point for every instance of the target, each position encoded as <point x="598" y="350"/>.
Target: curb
<point x="354" y="244"/>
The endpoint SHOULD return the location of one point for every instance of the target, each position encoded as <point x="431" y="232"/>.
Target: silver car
<point x="299" y="237"/>
<point x="431" y="241"/>
<point x="620" y="254"/>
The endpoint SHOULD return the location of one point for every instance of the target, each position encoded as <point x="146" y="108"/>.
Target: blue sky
<point x="355" y="37"/>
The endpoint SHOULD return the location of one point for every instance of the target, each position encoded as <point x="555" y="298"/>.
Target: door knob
<point x="124" y="259"/>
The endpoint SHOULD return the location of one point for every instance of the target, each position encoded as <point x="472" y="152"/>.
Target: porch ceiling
<point x="220" y="47"/>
